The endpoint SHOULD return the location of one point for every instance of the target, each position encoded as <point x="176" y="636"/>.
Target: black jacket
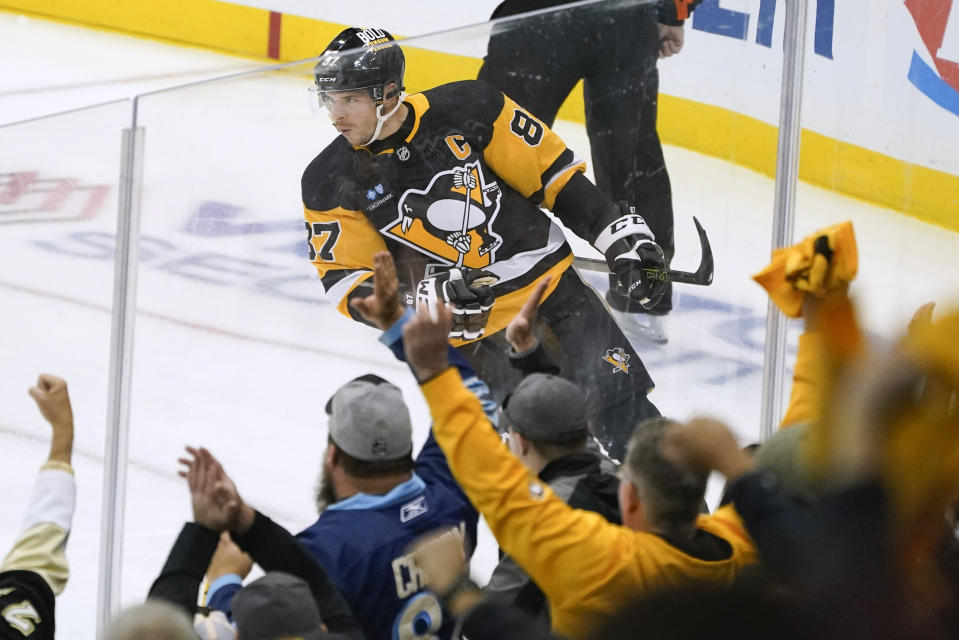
<point x="671" y="12"/>
<point x="273" y="548"/>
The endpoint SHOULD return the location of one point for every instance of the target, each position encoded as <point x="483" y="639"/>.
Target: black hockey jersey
<point x="672" y="12"/>
<point x="459" y="184"/>
<point x="27" y="604"/>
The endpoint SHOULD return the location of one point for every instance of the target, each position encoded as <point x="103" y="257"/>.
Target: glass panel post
<point x="787" y="173"/>
<point x="121" y="356"/>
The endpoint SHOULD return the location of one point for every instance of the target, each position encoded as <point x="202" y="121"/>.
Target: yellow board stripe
<point x="206" y="23"/>
<point x="920" y="192"/>
<point x="304" y="38"/>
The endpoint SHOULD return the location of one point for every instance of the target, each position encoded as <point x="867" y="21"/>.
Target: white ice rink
<point x="235" y="349"/>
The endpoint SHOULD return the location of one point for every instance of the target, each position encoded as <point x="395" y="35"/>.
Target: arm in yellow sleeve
<point x="805" y="399"/>
<point x="568" y="552"/>
<point x="529" y="156"/>
<point x="341" y="244"/>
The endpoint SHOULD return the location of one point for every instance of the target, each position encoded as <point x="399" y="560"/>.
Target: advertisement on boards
<point x="938" y="26"/>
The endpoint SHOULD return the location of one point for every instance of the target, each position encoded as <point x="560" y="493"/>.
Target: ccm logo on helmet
<point x="369" y="36"/>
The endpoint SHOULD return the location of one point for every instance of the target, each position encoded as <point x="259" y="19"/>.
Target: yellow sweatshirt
<point x="587" y="567"/>
<point x="805" y="400"/>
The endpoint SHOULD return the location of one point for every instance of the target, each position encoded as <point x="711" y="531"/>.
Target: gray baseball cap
<point x="369" y="420"/>
<point x="276" y="606"/>
<point x="547" y="408"/>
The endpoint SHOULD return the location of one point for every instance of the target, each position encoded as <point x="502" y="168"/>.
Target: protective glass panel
<point x="58" y="201"/>
<point x="239" y="347"/>
<point x="881" y="117"/>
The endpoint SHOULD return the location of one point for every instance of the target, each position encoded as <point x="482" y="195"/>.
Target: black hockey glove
<point x="633" y="256"/>
<point x="468" y="294"/>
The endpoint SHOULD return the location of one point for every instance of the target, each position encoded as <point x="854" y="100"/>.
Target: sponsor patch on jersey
<point x="376" y="204"/>
<point x="536" y="491"/>
<point x="618" y="358"/>
<point x="452" y="219"/>
<point x="413" y="509"/>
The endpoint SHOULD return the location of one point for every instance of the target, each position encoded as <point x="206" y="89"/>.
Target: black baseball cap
<point x="546" y="408"/>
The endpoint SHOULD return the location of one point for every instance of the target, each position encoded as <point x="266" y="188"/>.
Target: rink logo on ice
<point x="938" y="24"/>
<point x="413" y="509"/>
<point x="619" y="359"/>
<point x="25" y="196"/>
<point x="236" y="251"/>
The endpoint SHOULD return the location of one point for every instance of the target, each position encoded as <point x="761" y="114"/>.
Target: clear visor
<point x="322" y="101"/>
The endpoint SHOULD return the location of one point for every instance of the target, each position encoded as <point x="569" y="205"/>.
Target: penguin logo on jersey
<point x="618" y="358"/>
<point x="452" y="219"/>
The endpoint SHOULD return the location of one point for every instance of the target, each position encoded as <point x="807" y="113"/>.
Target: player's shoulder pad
<point x="327" y="174"/>
<point x="467" y="102"/>
<point x="460" y="91"/>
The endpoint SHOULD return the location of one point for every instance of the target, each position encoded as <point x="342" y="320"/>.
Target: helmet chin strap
<point x="381" y="118"/>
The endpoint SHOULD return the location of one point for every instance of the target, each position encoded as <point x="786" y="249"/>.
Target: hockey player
<point x="613" y="47"/>
<point x="450" y="182"/>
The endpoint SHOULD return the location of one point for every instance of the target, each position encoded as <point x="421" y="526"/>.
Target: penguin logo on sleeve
<point x="618" y="358"/>
<point x="452" y="219"/>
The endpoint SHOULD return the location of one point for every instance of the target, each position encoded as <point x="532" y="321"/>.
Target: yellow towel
<point x="820" y="263"/>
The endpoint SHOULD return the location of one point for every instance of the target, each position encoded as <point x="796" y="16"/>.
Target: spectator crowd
<point x="842" y="525"/>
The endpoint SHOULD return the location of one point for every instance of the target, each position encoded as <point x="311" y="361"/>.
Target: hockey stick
<point x="466" y="181"/>
<point x="703" y="276"/>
